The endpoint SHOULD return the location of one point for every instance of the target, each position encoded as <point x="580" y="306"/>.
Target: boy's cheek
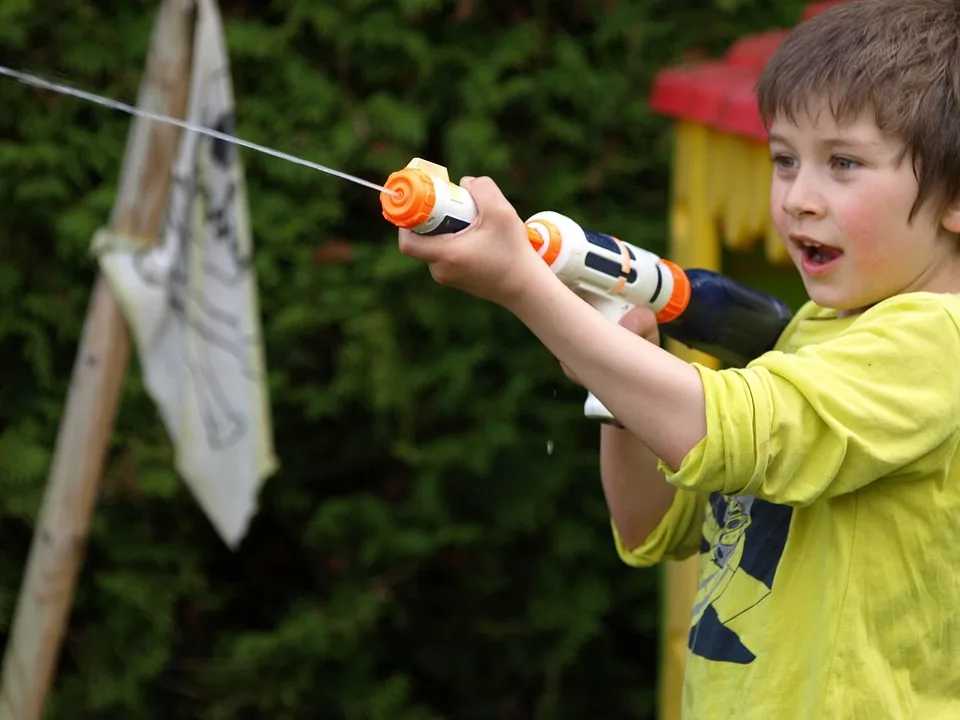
<point x="864" y="229"/>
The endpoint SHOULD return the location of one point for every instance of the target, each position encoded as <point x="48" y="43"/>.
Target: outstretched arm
<point x="655" y="395"/>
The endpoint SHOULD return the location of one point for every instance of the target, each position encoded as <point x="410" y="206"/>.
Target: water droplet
<point x="549" y="447"/>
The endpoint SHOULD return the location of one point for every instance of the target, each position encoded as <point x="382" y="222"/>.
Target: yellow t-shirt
<point x="824" y="503"/>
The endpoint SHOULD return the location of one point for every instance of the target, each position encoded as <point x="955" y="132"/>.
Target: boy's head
<point x="863" y="105"/>
<point x="899" y="59"/>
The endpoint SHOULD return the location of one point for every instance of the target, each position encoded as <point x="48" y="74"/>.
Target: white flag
<point x="191" y="302"/>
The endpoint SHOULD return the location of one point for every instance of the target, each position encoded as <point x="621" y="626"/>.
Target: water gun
<point x="701" y="309"/>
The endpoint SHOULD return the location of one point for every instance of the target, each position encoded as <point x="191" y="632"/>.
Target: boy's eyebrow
<point x="830" y="143"/>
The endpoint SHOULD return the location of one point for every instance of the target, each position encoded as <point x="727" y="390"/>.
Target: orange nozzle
<point x="413" y="198"/>
<point x="679" y="298"/>
<point x="554" y="239"/>
<point x="534" y="237"/>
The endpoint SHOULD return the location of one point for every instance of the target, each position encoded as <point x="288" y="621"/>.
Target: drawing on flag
<point x="190" y="299"/>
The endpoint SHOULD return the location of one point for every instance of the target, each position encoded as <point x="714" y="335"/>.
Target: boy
<point x="821" y="484"/>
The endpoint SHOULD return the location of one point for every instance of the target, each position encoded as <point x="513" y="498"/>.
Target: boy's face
<point x="841" y="198"/>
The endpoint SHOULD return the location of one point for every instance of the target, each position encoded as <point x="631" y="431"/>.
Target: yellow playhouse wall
<point x="719" y="220"/>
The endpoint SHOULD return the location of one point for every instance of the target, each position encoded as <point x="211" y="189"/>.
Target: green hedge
<point x="421" y="554"/>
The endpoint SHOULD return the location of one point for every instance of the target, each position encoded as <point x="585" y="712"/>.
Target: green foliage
<point x="420" y="555"/>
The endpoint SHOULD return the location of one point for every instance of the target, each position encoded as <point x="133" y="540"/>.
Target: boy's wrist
<point x="534" y="278"/>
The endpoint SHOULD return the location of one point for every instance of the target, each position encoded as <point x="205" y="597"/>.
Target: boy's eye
<point x="784" y="162"/>
<point x="843" y="163"/>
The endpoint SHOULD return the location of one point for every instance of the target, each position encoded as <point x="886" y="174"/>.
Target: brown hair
<point x="897" y="58"/>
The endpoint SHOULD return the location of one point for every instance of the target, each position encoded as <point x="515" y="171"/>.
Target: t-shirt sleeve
<point x="677" y="535"/>
<point x="879" y="400"/>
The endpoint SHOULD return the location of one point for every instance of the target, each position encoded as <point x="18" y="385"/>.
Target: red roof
<point x="720" y="93"/>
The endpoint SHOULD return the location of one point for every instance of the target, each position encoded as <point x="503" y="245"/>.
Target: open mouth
<point x="816" y="254"/>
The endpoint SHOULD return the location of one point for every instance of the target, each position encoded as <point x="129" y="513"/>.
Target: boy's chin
<point x="831" y="298"/>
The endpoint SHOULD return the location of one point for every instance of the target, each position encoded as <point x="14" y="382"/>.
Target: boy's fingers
<point x="642" y="321"/>
<point x="639" y="320"/>
<point x="485" y="193"/>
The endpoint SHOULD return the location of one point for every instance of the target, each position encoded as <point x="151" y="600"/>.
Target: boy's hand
<point x="641" y="321"/>
<point x="491" y="259"/>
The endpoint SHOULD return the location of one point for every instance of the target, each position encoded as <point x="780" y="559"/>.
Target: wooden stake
<point x="59" y="541"/>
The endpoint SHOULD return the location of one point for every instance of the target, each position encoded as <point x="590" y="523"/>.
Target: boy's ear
<point x="951" y="216"/>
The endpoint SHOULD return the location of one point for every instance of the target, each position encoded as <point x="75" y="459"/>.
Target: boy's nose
<point x="803" y="197"/>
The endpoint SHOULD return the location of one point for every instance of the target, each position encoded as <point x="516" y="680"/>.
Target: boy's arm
<point x="637" y="494"/>
<point x="651" y="520"/>
<point x="655" y="395"/>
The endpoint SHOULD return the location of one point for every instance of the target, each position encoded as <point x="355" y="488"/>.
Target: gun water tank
<point x="728" y="320"/>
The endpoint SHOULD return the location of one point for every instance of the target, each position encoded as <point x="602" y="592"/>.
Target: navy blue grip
<point x="449" y="224"/>
<point x="728" y="320"/>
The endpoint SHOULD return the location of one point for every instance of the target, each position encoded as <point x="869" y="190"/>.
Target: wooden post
<point x="56" y="553"/>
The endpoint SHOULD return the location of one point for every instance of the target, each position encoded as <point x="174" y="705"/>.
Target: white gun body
<point x="612" y="275"/>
